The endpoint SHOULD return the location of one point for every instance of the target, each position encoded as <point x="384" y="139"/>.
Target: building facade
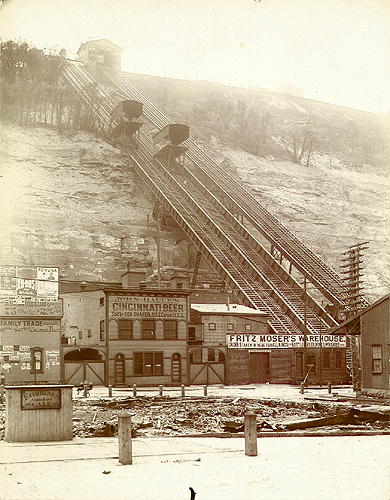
<point x="369" y="331"/>
<point x="253" y="353"/>
<point x="100" y="52"/>
<point x="146" y="337"/>
<point x="30" y="325"/>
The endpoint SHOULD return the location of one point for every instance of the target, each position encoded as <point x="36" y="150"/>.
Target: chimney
<point x="131" y="279"/>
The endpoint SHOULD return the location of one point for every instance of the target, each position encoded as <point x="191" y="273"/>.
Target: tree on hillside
<point x="299" y="145"/>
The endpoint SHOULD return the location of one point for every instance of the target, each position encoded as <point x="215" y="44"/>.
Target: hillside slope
<point x="69" y="199"/>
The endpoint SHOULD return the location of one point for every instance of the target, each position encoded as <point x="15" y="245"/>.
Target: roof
<point x="226" y="309"/>
<point x="351" y="325"/>
<point x="99" y="40"/>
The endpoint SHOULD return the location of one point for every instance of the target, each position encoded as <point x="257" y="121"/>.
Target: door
<point x="176" y="369"/>
<point x="258" y="367"/>
<point x="119" y="368"/>
<point x="299" y="366"/>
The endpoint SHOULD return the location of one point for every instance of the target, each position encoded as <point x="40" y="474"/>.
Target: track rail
<point x="252" y="272"/>
<point x="292" y="248"/>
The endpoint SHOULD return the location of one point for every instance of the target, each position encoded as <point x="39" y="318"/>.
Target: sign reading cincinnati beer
<point x="133" y="306"/>
<point x="248" y="341"/>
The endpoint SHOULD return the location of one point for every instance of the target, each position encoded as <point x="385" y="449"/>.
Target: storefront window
<point x="148" y="363"/>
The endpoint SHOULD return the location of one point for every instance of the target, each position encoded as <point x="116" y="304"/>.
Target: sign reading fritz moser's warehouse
<point x="245" y="341"/>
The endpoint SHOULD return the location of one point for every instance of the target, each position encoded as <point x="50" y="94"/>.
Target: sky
<point x="338" y="51"/>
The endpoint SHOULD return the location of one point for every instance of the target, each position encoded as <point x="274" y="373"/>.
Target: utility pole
<point x="305" y="333"/>
<point x="158" y="246"/>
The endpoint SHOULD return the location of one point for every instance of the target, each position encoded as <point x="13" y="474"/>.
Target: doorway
<point x="176" y="369"/>
<point x="259" y="363"/>
<point x="119" y="367"/>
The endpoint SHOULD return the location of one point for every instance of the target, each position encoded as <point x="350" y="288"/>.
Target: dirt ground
<point x="154" y="416"/>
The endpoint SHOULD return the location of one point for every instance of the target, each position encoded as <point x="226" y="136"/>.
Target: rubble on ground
<point x="174" y="416"/>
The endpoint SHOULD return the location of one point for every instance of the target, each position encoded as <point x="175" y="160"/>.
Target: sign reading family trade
<point x="129" y="306"/>
<point x="248" y="341"/>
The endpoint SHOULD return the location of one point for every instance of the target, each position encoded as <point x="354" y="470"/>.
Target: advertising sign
<point x="40" y="399"/>
<point x="130" y="306"/>
<point x="39" y="283"/>
<point x="28" y="307"/>
<point x="33" y="326"/>
<point x="249" y="341"/>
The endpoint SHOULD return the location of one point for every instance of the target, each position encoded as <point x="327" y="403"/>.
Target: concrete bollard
<point x="329" y="388"/>
<point x="250" y="434"/>
<point x="205" y="390"/>
<point x="124" y="440"/>
<point x="160" y="390"/>
<point x="110" y="391"/>
<point x="183" y="391"/>
<point x="134" y="390"/>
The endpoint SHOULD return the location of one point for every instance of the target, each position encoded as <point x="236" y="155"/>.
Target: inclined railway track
<point x="255" y="276"/>
<point x="291" y="247"/>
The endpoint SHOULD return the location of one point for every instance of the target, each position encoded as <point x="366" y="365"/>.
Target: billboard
<point x="249" y="341"/>
<point x="31" y="282"/>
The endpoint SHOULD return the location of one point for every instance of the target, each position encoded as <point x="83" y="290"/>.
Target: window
<point x="376" y="359"/>
<point x="212" y="326"/>
<point x="339" y="360"/>
<point x="326" y="360"/>
<point x="148" y="363"/>
<point x="102" y="330"/>
<point x="125" y="329"/>
<point x="248" y="327"/>
<point x="191" y="333"/>
<point x="230" y="327"/>
<point x="148" y="329"/>
<point x="89" y="332"/>
<point x="80" y="334"/>
<point x="211" y="354"/>
<point x="170" y="329"/>
<point x="37" y="360"/>
<point x="101" y="301"/>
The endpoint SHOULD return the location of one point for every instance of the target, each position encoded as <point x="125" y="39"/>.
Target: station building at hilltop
<point x="100" y="52"/>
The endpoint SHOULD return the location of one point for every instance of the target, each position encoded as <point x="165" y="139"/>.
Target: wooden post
<point x="205" y="390"/>
<point x="85" y="389"/>
<point x="329" y="388"/>
<point x="134" y="390"/>
<point x="160" y="390"/>
<point x="124" y="440"/>
<point x="110" y="391"/>
<point x="250" y="434"/>
<point x="302" y="388"/>
<point x="183" y="391"/>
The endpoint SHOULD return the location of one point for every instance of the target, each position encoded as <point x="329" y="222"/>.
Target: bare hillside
<point x="70" y="200"/>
